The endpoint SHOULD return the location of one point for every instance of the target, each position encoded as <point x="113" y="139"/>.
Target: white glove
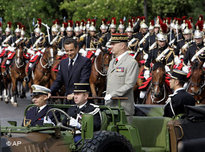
<point x="185" y="69"/>
<point x="146" y="74"/>
<point x="74" y="123"/>
<point x="204" y="65"/>
<point x="107" y="97"/>
<point x="30" y="51"/>
<point x="177" y="60"/>
<point x="47" y="121"/>
<point x="97" y="52"/>
<point x="61" y="53"/>
<point x="145" y="57"/>
<point x="38" y="53"/>
<point x="167" y="69"/>
<point x="83" y="52"/>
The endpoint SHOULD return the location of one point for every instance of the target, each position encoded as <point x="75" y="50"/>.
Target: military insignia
<point x="26" y="122"/>
<point x="120" y="69"/>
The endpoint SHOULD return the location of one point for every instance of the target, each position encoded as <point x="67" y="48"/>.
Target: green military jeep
<point x="149" y="132"/>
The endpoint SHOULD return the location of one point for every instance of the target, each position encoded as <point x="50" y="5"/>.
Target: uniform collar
<point x="42" y="107"/>
<point x="120" y="56"/>
<point x="175" y="91"/>
<point x="81" y="106"/>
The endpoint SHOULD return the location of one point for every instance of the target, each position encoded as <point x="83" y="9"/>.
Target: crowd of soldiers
<point x="174" y="41"/>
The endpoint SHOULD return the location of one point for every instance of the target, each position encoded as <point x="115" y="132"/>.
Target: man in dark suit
<point x="81" y="93"/>
<point x="74" y="69"/>
<point x="36" y="115"/>
<point x="176" y="101"/>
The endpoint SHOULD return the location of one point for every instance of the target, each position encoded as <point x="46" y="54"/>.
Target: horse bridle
<point x="103" y="73"/>
<point x="18" y="65"/>
<point x="48" y="61"/>
<point x="153" y="97"/>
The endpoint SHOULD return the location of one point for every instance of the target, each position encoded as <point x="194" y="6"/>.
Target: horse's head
<point x="106" y="58"/>
<point x="48" y="56"/>
<point x="196" y="81"/>
<point x="158" y="79"/>
<point x="19" y="59"/>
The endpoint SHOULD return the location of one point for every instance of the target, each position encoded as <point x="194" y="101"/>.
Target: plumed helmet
<point x="77" y="26"/>
<point x="8" y="28"/>
<point x="70" y="26"/>
<point x="23" y="28"/>
<point x="157" y="22"/>
<point x="64" y="26"/>
<point x="143" y="24"/>
<point x="103" y="25"/>
<point x="130" y="26"/>
<point x="162" y="35"/>
<point x="0" y="27"/>
<point x="199" y="27"/>
<point x="92" y="27"/>
<point x="151" y="25"/>
<point x="121" y="25"/>
<point x="113" y="23"/>
<point x="188" y="27"/>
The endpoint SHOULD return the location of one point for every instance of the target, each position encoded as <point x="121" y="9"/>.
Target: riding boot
<point x="27" y="78"/>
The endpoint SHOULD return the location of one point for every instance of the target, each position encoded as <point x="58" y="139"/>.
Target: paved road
<point x="9" y="112"/>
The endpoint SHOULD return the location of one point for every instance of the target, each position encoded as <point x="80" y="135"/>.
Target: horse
<point x="99" y="72"/>
<point x="158" y="90"/>
<point x="196" y="82"/>
<point x="17" y="73"/>
<point x="42" y="71"/>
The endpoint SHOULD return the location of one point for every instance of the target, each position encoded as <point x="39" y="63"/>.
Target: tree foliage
<point x="48" y="10"/>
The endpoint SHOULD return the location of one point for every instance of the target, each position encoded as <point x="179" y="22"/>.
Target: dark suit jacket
<point x="80" y="73"/>
<point x="178" y="101"/>
<point x="37" y="118"/>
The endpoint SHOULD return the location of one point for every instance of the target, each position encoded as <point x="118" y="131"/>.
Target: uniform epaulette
<point x="82" y="37"/>
<point x="94" y="105"/>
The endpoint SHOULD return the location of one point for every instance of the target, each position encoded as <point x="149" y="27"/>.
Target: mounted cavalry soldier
<point x="185" y="43"/>
<point x="197" y="48"/>
<point x="121" y="26"/>
<point x="55" y="34"/>
<point x="112" y="30"/>
<point x="35" y="48"/>
<point x="69" y="34"/>
<point x="103" y="30"/>
<point x="90" y="42"/>
<point x="12" y="46"/>
<point x="161" y="53"/>
<point x="132" y="41"/>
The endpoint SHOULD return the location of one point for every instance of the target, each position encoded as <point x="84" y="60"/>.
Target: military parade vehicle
<point x="148" y="132"/>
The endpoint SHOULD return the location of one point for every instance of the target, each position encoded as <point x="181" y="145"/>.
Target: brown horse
<point x="196" y="83"/>
<point x="42" y="72"/>
<point x="99" y="72"/>
<point x="17" y="75"/>
<point x="158" y="90"/>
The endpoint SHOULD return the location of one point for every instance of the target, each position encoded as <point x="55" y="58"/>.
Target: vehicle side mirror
<point x="87" y="126"/>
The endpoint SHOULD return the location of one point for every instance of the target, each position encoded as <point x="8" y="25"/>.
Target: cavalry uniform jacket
<point x="88" y="41"/>
<point x="175" y="103"/>
<point x="121" y="78"/>
<point x="154" y="53"/>
<point x="149" y="41"/>
<point x="180" y="44"/>
<point x="192" y="51"/>
<point x="61" y="43"/>
<point x="80" y="73"/>
<point x="37" y="117"/>
<point x="88" y="108"/>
